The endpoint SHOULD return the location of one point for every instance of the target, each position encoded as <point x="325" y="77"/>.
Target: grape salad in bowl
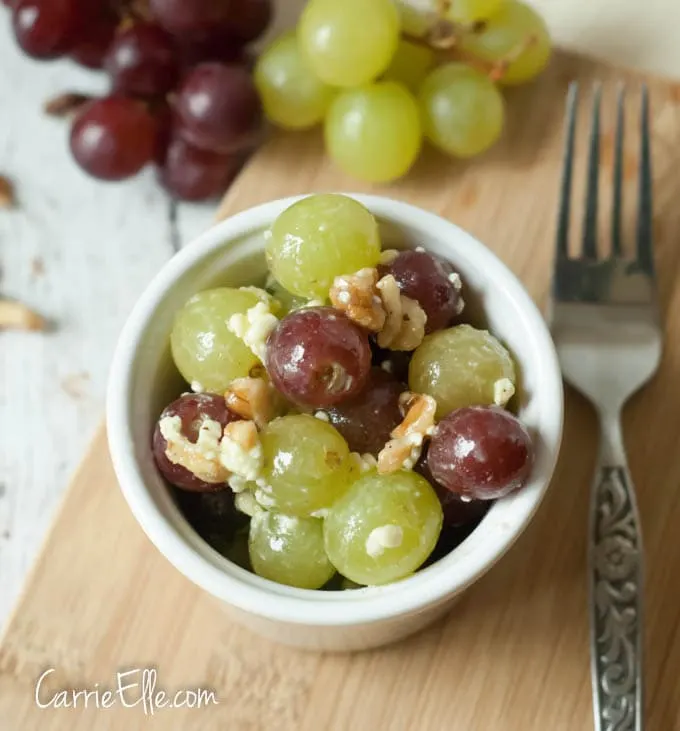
<point x="334" y="413"/>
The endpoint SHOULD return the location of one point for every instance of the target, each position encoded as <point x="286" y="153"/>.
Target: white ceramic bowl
<point x="143" y="380"/>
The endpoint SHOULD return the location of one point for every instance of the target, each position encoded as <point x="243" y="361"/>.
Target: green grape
<point x="292" y="96"/>
<point x="205" y="351"/>
<point x="351" y="42"/>
<point x="307" y="465"/>
<point x="468" y="11"/>
<point x="516" y="28"/>
<point x="319" y="238"/>
<point x="410" y="65"/>
<point x="286" y="300"/>
<point x="289" y="550"/>
<point x="460" y="367"/>
<point x="373" y="132"/>
<point x="383" y="528"/>
<point x="414" y="21"/>
<point x="462" y="110"/>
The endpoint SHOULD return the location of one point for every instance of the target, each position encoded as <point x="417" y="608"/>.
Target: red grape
<point x="195" y="175"/>
<point x="367" y="420"/>
<point x="480" y="452"/>
<point x="425" y="277"/>
<point x="218" y="108"/>
<point x="48" y="28"/>
<point x="113" y="138"/>
<point x="192" y="409"/>
<point x="91" y="51"/>
<point x="185" y="18"/>
<point x="317" y="356"/>
<point x="250" y="20"/>
<point x="142" y="61"/>
<point x="210" y="513"/>
<point x="220" y="47"/>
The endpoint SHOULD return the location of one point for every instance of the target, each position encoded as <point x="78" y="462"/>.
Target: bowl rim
<point x="248" y="592"/>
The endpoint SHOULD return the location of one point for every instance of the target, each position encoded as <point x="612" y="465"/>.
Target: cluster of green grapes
<point x="383" y="76"/>
<point x="309" y="475"/>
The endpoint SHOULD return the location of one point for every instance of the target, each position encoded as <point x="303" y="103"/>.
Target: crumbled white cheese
<point x="245" y="502"/>
<point x="455" y="279"/>
<point x="201" y="458"/>
<point x="246" y="463"/>
<point x="321" y="513"/>
<point x="365" y="462"/>
<point x="413" y="457"/>
<point x="197" y="387"/>
<point x="503" y="391"/>
<point x="264" y="499"/>
<point x="262" y="483"/>
<point x="460" y="305"/>
<point x="387" y="366"/>
<point x="420" y="249"/>
<point x="254" y="327"/>
<point x="238" y="483"/>
<point x="382" y="537"/>
<point x="388" y="256"/>
<point x="314" y="303"/>
<point x="322" y="416"/>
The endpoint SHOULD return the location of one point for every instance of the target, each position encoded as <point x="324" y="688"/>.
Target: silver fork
<point x="607" y="332"/>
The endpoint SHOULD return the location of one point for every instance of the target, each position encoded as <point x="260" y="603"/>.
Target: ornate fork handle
<point x="616" y="575"/>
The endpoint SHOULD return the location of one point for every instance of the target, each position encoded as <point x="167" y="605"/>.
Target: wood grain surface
<point x="513" y="654"/>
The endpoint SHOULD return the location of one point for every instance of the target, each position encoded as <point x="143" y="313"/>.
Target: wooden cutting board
<point x="513" y="654"/>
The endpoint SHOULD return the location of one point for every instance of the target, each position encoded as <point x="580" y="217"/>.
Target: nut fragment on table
<point x="64" y="104"/>
<point x="17" y="316"/>
<point x="403" y="450"/>
<point x="357" y="296"/>
<point x="7" y="198"/>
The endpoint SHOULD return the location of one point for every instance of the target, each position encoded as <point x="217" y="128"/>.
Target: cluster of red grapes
<point x="181" y="92"/>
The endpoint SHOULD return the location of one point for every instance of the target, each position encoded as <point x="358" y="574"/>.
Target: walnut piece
<point x="357" y="296"/>
<point x="7" y="199"/>
<point x="252" y="399"/>
<point x="241" y="451"/>
<point x="16" y="316"/>
<point x="404" y="327"/>
<point x="201" y="458"/>
<point x="65" y="104"/>
<point x="403" y="450"/>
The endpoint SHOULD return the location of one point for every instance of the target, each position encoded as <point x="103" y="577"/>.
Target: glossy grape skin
<point x="467" y="11"/>
<point x="349" y="43"/>
<point x="462" y="110"/>
<point x="142" y="61"/>
<point x="367" y="420"/>
<point x="374" y="132"/>
<point x="481" y="453"/>
<point x="293" y="97"/>
<point x="460" y="367"/>
<point x="192" y="409"/>
<point x="191" y="174"/>
<point x="113" y="138"/>
<point x="249" y="19"/>
<point x="212" y="47"/>
<point x="505" y="32"/>
<point x="410" y="65"/>
<point x="195" y="18"/>
<point x="424" y="277"/>
<point x="218" y="108"/>
<point x="91" y="51"/>
<point x="289" y="550"/>
<point x="318" y="357"/>
<point x="47" y="29"/>
<point x="404" y="499"/>
<point x="203" y="347"/>
<point x="319" y="238"/>
<point x="307" y="464"/>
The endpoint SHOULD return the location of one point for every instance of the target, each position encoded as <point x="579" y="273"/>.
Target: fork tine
<point x="590" y="217"/>
<point x="617" y="248"/>
<point x="645" y="255"/>
<point x="567" y="168"/>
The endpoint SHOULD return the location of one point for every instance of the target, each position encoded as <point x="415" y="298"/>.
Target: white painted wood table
<point x="81" y="252"/>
